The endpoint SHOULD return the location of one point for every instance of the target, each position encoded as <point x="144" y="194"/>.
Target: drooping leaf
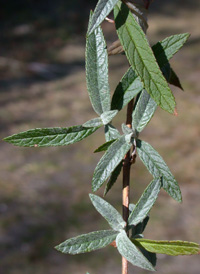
<point x="103" y="8"/>
<point x="165" y="49"/>
<point x="108" y="116"/>
<point x="96" y="122"/>
<point x="111" y="215"/>
<point x="145" y="203"/>
<point x="144" y="111"/>
<point x="129" y="86"/>
<point x="105" y="146"/>
<point x="173" y="248"/>
<point x="141" y="57"/>
<point x="111" y="133"/>
<point x="110" y="160"/>
<point x="87" y="242"/>
<point x="113" y="178"/>
<point x="97" y="71"/>
<point x="130" y="252"/>
<point x="43" y="137"/>
<point x="158" y="168"/>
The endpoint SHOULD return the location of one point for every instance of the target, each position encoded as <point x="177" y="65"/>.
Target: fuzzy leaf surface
<point x="97" y="72"/>
<point x="44" y="137"/>
<point x="110" y="160"/>
<point x="144" y="111"/>
<point x="96" y="122"/>
<point x="129" y="86"/>
<point x="113" y="178"/>
<point x="111" y="215"/>
<point x="105" y="146"/>
<point x="129" y="251"/>
<point x="108" y="116"/>
<point x="173" y="248"/>
<point x="141" y="57"/>
<point x="87" y="242"/>
<point x="145" y="203"/>
<point x="158" y="168"/>
<point x="111" y="133"/>
<point x="103" y="8"/>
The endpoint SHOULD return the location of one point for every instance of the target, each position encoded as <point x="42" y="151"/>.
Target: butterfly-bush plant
<point x="143" y="88"/>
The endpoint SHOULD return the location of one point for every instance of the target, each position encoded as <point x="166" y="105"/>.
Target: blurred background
<point x="44" y="192"/>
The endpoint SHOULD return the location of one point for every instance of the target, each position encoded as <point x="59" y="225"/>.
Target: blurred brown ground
<point x="44" y="192"/>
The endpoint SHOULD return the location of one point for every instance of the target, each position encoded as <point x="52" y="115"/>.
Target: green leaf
<point x="96" y="122"/>
<point x="158" y="168"/>
<point x="129" y="86"/>
<point x="129" y="251"/>
<point x="151" y="257"/>
<point x="141" y="57"/>
<point x="43" y="137"/>
<point x="105" y="146"/>
<point x="173" y="248"/>
<point x="103" y="8"/>
<point x="145" y="203"/>
<point x="165" y="49"/>
<point x="110" y="160"/>
<point x="108" y="116"/>
<point x="111" y="215"/>
<point x="113" y="178"/>
<point x="144" y="111"/>
<point x="111" y="133"/>
<point x="97" y="72"/>
<point x="87" y="242"/>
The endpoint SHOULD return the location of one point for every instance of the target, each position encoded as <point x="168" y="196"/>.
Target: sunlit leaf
<point x="111" y="133"/>
<point x="112" y="216"/>
<point x="97" y="71"/>
<point x="87" y="242"/>
<point x="110" y="160"/>
<point x="145" y="203"/>
<point x="141" y="57"/>
<point x="108" y="116"/>
<point x="158" y="168"/>
<point x="103" y="8"/>
<point x="43" y="137"/>
<point x="113" y="178"/>
<point x="130" y="252"/>
<point x="173" y="248"/>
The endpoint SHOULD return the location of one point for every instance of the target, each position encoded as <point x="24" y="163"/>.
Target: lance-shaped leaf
<point x="141" y="57"/>
<point x="165" y="49"/>
<point x="173" y="248"/>
<point x="105" y="146"/>
<point x="130" y="252"/>
<point x="158" y="168"/>
<point x="113" y="178"/>
<point x="111" y="215"/>
<point x="87" y="242"/>
<point x="97" y="72"/>
<point x="144" y="111"/>
<point x="111" y="133"/>
<point x="103" y="8"/>
<point x="43" y="137"/>
<point x="145" y="203"/>
<point x="129" y="86"/>
<point x="110" y="160"/>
